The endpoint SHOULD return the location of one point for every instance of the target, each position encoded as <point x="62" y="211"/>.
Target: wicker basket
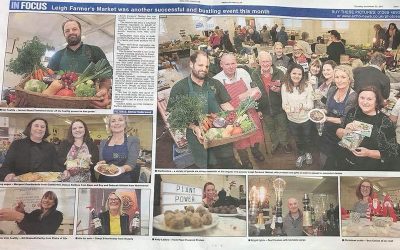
<point x="222" y="141"/>
<point x="39" y="100"/>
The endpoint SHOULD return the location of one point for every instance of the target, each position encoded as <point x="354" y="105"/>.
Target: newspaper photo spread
<point x="199" y="124"/>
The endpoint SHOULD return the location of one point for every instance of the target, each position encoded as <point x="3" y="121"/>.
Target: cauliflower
<point x="35" y="86"/>
<point x="86" y="89"/>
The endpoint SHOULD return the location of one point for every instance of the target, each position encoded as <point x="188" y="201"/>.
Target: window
<point x="292" y="23"/>
<point x="335" y="25"/>
<point x="261" y="21"/>
<point x="162" y="28"/>
<point x="204" y="23"/>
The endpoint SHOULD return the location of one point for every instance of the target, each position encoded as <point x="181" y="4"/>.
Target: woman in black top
<point x="336" y="47"/>
<point x="377" y="151"/>
<point x="45" y="220"/>
<point x="31" y="154"/>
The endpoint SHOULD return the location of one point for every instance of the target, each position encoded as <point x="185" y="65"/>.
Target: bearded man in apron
<point x="217" y="100"/>
<point x="77" y="56"/>
<point x="237" y="83"/>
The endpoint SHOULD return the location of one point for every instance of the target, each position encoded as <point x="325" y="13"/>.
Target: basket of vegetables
<point x="44" y="88"/>
<point x="228" y="126"/>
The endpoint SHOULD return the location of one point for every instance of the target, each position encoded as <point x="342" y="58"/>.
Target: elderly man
<point x="372" y="75"/>
<point x="198" y="83"/>
<point x="268" y="79"/>
<point x="293" y="221"/>
<point x="77" y="56"/>
<point x="237" y="83"/>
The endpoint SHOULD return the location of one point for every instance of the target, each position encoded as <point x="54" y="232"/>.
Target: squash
<point x="53" y="88"/>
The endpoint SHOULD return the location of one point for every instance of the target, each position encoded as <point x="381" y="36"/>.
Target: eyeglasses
<point x="365" y="187"/>
<point x="113" y="199"/>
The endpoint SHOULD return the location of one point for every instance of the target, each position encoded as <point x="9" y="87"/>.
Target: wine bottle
<point x="135" y="224"/>
<point x="98" y="228"/>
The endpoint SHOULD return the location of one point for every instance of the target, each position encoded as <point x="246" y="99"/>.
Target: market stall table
<point x="366" y="228"/>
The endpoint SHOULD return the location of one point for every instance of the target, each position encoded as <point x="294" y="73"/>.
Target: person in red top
<point x="237" y="83"/>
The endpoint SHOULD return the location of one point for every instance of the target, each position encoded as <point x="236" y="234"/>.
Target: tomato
<point x="65" y="92"/>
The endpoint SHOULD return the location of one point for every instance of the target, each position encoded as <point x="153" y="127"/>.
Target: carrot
<point x="53" y="88"/>
<point x="40" y="74"/>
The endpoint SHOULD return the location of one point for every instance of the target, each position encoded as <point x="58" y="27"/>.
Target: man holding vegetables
<point x="216" y="99"/>
<point x="237" y="83"/>
<point x="77" y="56"/>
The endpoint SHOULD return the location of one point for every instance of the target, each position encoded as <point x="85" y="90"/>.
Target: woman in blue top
<point x="121" y="150"/>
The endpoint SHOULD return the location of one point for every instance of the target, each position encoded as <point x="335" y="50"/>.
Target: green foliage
<point x="185" y="110"/>
<point x="29" y="55"/>
<point x="85" y="89"/>
<point x="100" y="70"/>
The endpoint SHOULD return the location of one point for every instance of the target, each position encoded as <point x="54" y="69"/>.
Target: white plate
<point x="116" y="174"/>
<point x="320" y="110"/>
<point x="158" y="222"/>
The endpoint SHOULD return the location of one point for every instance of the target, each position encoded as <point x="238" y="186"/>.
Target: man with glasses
<point x="237" y="82"/>
<point x="268" y="79"/>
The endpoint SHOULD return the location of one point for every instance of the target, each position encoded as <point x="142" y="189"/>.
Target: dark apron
<point x="329" y="138"/>
<point x="204" y="157"/>
<point x="117" y="155"/>
<point x="76" y="62"/>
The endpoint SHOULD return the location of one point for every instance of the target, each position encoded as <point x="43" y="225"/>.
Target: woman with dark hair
<point x="297" y="101"/>
<point x="31" y="154"/>
<point x="325" y="82"/>
<point x="377" y="151"/>
<point x="79" y="153"/>
<point x="113" y="220"/>
<point x="335" y="47"/>
<point x="392" y="37"/>
<point x="209" y="194"/>
<point x="45" y="220"/>
<point x="363" y="193"/>
<point x="121" y="150"/>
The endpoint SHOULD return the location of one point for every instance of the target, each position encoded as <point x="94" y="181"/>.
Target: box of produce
<point x="228" y="126"/>
<point x="47" y="89"/>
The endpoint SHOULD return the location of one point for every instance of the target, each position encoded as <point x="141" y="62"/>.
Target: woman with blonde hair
<point x="121" y="150"/>
<point x="113" y="220"/>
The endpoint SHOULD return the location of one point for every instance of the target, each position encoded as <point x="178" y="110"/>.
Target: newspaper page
<point x="203" y="125"/>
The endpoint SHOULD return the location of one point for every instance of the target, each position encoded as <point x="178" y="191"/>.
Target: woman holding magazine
<point x="378" y="148"/>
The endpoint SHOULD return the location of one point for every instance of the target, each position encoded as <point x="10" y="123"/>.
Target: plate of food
<point x="40" y="177"/>
<point x="317" y="115"/>
<point x="224" y="211"/>
<point x="108" y="170"/>
<point x="187" y="221"/>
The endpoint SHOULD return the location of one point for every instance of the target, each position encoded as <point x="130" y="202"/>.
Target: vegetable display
<point x="68" y="83"/>
<point x="185" y="110"/>
<point x="228" y="124"/>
